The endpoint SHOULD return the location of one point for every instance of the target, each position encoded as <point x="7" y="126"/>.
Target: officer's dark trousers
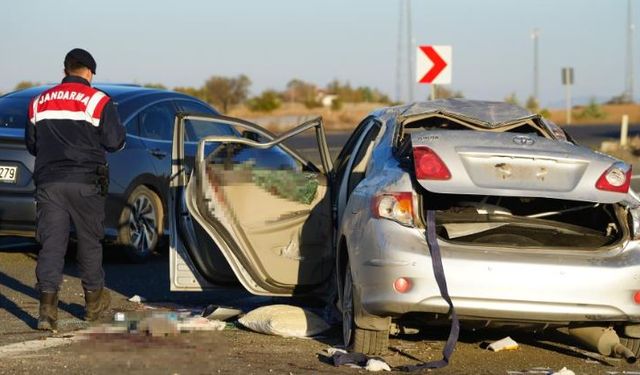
<point x="59" y="204"/>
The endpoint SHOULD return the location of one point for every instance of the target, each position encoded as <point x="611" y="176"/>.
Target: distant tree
<point x="25" y="85"/>
<point x="192" y="91"/>
<point x="512" y="99"/>
<point x="224" y="92"/>
<point x="442" y="92"/>
<point x="159" y="86"/>
<point x="593" y="110"/>
<point x="359" y="94"/>
<point x="312" y="103"/>
<point x="532" y="104"/>
<point x="300" y="91"/>
<point x="266" y="102"/>
<point x="336" y="104"/>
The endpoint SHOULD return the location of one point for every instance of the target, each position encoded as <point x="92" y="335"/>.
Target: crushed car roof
<point x="481" y="113"/>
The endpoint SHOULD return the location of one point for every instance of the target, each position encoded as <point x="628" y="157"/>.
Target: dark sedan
<point x="140" y="173"/>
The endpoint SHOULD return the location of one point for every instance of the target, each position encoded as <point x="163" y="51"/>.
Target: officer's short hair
<point x="72" y="65"/>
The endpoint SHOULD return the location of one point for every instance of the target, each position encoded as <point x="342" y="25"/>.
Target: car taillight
<point x="617" y="178"/>
<point x="428" y="165"/>
<point x="394" y="206"/>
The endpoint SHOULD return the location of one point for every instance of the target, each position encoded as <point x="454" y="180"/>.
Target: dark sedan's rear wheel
<point x="141" y="224"/>
<point x="358" y="339"/>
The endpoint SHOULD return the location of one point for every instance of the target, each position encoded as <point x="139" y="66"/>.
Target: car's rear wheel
<point x="358" y="339"/>
<point x="141" y="224"/>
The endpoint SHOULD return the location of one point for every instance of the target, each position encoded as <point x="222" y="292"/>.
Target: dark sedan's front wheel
<point x="141" y="224"/>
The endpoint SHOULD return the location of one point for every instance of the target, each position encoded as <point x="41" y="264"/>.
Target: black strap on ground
<point x="438" y="271"/>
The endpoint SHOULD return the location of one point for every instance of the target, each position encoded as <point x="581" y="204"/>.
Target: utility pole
<point x="399" y="55"/>
<point x="629" y="81"/>
<point x="404" y="58"/>
<point x="410" y="74"/>
<point x="535" y="34"/>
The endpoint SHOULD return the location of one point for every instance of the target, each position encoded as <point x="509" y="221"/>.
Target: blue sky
<point x="182" y="43"/>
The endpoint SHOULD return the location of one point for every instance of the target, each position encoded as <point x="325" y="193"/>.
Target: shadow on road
<point x="19" y="287"/>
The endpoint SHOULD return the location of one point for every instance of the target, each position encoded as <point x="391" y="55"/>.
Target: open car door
<point x="252" y="205"/>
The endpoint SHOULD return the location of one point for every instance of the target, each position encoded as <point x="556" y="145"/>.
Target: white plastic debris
<point x="506" y="343"/>
<point x="215" y="312"/>
<point x="564" y="371"/>
<point x="376" y="365"/>
<point x="332" y="351"/>
<point x="284" y="320"/>
<point x="137" y="299"/>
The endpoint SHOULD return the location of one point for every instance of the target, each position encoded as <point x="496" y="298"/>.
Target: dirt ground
<point x="237" y="351"/>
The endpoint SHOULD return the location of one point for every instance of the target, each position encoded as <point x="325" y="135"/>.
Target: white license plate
<point x="8" y="174"/>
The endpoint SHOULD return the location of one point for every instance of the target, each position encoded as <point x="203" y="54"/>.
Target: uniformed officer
<point x="71" y="127"/>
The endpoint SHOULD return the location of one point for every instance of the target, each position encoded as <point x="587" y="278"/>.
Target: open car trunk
<point x="514" y="181"/>
<point x="523" y="222"/>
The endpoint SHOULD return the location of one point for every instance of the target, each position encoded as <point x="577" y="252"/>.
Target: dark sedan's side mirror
<point x="253" y="136"/>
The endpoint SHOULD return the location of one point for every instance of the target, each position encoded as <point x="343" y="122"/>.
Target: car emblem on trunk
<point x="523" y="140"/>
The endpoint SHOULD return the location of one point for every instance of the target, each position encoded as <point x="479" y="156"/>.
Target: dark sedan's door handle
<point x="158" y="153"/>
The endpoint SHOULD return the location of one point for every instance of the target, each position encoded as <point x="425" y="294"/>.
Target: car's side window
<point x="156" y="122"/>
<point x="195" y="129"/>
<point x="345" y="155"/>
<point x="361" y="158"/>
<point x="194" y="107"/>
<point x="132" y="126"/>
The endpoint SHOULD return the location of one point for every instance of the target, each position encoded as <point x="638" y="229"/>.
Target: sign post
<point x="433" y="66"/>
<point x="567" y="81"/>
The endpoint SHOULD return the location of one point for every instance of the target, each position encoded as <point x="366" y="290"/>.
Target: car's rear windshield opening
<point x="444" y="122"/>
<point x="526" y="222"/>
<point x="13" y="113"/>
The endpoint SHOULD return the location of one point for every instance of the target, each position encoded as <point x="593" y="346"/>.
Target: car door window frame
<point x="342" y="174"/>
<point x="365" y="142"/>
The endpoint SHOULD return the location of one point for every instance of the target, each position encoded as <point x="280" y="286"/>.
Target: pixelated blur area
<point x="273" y="205"/>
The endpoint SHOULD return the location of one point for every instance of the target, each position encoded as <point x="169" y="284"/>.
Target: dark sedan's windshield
<point x="13" y="113"/>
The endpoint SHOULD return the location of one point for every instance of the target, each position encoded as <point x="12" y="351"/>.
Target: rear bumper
<point x="490" y="284"/>
<point x="17" y="214"/>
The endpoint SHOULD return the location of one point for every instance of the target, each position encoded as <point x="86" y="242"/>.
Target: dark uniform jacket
<point x="71" y="127"/>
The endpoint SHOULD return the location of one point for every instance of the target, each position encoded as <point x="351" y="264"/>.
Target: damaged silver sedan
<point x="534" y="230"/>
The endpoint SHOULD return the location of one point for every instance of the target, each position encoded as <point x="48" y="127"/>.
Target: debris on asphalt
<point x="506" y="343"/>
<point x="137" y="299"/>
<point x="199" y="323"/>
<point x="159" y="326"/>
<point x="284" y="320"/>
<point x="543" y="370"/>
<point x="161" y="323"/>
<point x="375" y="365"/>
<point x="564" y="371"/>
<point x="535" y="370"/>
<point x="215" y="312"/>
<point x="341" y="357"/>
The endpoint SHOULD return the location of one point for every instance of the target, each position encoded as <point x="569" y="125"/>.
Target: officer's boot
<point x="97" y="302"/>
<point x="48" y="319"/>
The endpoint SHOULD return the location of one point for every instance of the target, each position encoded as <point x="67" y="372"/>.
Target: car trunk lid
<point x="514" y="164"/>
